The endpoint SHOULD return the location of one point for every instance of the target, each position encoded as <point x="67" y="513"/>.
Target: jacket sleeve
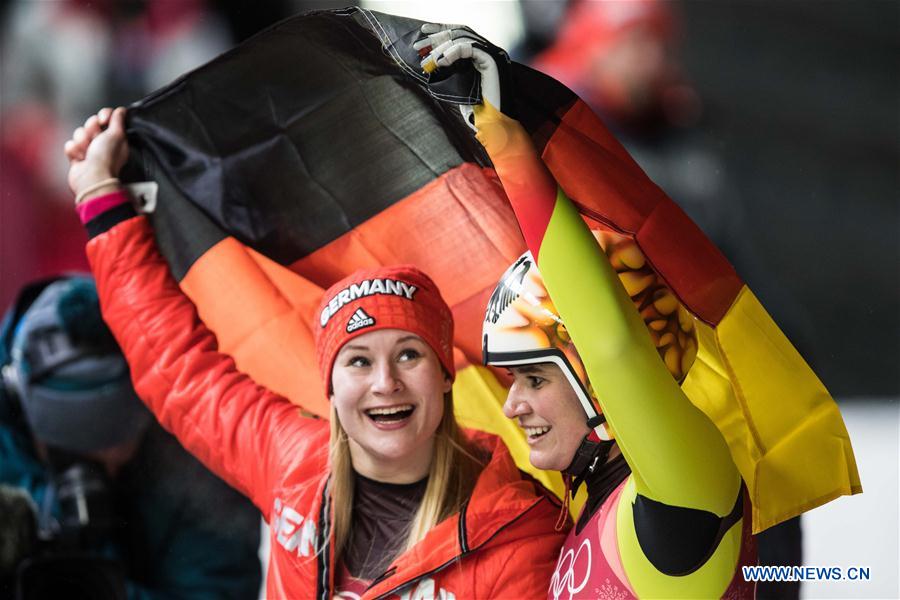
<point x="235" y="427"/>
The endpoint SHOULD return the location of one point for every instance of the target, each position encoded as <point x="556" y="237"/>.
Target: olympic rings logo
<point x="564" y="577"/>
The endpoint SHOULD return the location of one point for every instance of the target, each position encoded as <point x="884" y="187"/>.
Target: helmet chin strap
<point x="589" y="458"/>
<point x="590" y="455"/>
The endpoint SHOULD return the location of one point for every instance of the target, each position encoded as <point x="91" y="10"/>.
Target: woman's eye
<point x="409" y="354"/>
<point x="535" y="382"/>
<point x="358" y="361"/>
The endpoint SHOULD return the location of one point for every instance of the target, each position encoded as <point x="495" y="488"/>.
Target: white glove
<point x="443" y="45"/>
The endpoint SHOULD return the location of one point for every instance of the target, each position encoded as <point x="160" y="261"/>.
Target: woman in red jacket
<point x="391" y="498"/>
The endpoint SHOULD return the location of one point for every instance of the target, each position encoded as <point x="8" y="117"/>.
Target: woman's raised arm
<point x="238" y="429"/>
<point x="677" y="455"/>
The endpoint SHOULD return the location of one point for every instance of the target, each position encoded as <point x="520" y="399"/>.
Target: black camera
<point x="69" y="561"/>
<point x="87" y="513"/>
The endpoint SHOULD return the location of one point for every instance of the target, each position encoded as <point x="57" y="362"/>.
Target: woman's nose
<point x="386" y="379"/>
<point x="515" y="405"/>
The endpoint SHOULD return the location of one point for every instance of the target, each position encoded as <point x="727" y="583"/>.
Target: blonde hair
<point x="451" y="478"/>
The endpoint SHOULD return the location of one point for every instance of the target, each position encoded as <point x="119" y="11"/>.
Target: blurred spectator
<point x="59" y="62"/>
<point x="622" y="57"/>
<point x="119" y="507"/>
<point x="70" y="57"/>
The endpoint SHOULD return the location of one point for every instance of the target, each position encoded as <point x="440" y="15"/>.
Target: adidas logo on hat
<point x="358" y="320"/>
<point x="368" y="287"/>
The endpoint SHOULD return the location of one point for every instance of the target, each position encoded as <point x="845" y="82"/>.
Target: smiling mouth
<point x="535" y="433"/>
<point x="391" y="414"/>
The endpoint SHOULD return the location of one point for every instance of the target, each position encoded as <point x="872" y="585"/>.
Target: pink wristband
<point x="90" y="209"/>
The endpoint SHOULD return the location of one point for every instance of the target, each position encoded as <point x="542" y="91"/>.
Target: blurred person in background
<point x="623" y="59"/>
<point x="108" y="505"/>
<point x="58" y="60"/>
<point x="63" y="58"/>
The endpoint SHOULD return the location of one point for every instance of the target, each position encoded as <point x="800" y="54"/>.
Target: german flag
<point x="319" y="147"/>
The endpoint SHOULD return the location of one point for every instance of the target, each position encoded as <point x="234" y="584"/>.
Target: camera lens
<point x="84" y="499"/>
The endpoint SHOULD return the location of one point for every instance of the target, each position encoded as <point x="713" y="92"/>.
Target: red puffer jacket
<point x="502" y="545"/>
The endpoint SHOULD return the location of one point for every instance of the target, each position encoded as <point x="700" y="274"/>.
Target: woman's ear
<point x="448" y="383"/>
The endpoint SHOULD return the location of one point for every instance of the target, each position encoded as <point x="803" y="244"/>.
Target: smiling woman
<point x="392" y="415"/>
<point x="388" y="396"/>
<point x="390" y="498"/>
<point x="546" y="407"/>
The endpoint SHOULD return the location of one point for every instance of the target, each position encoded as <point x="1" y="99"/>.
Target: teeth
<point x="536" y="431"/>
<point x="390" y="410"/>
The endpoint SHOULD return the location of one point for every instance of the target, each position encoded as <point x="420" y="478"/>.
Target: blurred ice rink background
<point x="861" y="530"/>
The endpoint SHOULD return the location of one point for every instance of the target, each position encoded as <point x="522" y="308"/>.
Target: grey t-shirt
<point x="382" y="514"/>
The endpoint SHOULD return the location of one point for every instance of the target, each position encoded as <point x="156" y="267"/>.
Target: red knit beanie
<point x="400" y="297"/>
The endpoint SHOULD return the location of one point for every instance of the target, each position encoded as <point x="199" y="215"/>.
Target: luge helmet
<point x="522" y="326"/>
